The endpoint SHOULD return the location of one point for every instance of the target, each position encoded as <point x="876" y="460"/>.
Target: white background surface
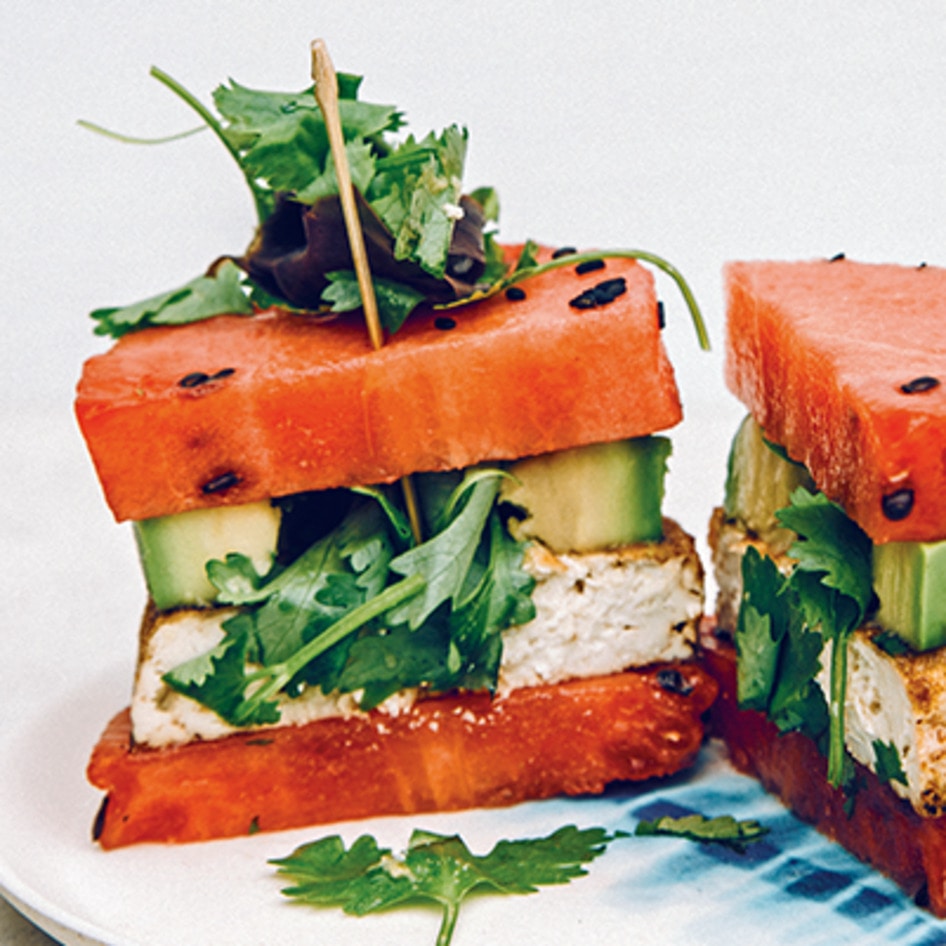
<point x="704" y="131"/>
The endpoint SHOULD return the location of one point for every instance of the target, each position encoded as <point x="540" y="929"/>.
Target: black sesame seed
<point x="515" y="294"/>
<point x="589" y="266"/>
<point x="220" y="483"/>
<point x="445" y="323"/>
<point x="194" y="379"/>
<point x="564" y="251"/>
<point x="585" y="301"/>
<point x="601" y="294"/>
<point x="919" y="385"/>
<point x="898" y="505"/>
<point x="661" y="316"/>
<point x="671" y="680"/>
<point x="836" y="258"/>
<point x="610" y="289"/>
<point x="922" y="266"/>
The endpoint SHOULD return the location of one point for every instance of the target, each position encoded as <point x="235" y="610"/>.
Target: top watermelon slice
<point x="838" y="361"/>
<point x="302" y="404"/>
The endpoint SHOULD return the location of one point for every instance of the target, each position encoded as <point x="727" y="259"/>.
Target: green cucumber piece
<point x="174" y="550"/>
<point x="910" y="581"/>
<point x="760" y="480"/>
<point x="594" y="497"/>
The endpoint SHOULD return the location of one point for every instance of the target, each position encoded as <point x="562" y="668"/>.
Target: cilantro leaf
<point x="835" y="583"/>
<point x="417" y="195"/>
<point x="724" y="829"/>
<point x="823" y="600"/>
<point x="453" y="648"/>
<point x="281" y="140"/>
<point x="294" y="604"/>
<point x="887" y="761"/>
<point x="797" y="702"/>
<point x="201" y="298"/>
<point x="379" y="665"/>
<point x="445" y="560"/>
<point x="366" y="878"/>
<point x="832" y="546"/>
<point x="219" y="680"/>
<point x="762" y="614"/>
<point x="396" y="301"/>
<point x="250" y="694"/>
<point x="779" y="654"/>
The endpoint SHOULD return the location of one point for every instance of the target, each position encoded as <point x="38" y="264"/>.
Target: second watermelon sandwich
<point x="424" y="576"/>
<point x="830" y="554"/>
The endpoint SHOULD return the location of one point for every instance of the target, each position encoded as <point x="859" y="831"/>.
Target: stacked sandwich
<point x="830" y="555"/>
<point x="424" y="576"/>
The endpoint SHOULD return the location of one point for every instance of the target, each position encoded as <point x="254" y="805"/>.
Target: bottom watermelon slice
<point x="879" y="828"/>
<point x="446" y="753"/>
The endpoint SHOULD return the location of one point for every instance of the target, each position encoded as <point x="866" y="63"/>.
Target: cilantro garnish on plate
<point x="723" y="829"/>
<point x="366" y="878"/>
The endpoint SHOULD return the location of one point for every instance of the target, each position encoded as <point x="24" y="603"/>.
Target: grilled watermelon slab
<point x="446" y="753"/>
<point x="844" y="364"/>
<point x="235" y="409"/>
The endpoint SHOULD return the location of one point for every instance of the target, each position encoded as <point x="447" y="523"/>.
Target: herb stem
<point x="259" y="198"/>
<point x="135" y="140"/>
<point x="644" y="256"/>
<point x="451" y="911"/>
<point x="836" y="710"/>
<point x="276" y="676"/>
<point x="371" y="609"/>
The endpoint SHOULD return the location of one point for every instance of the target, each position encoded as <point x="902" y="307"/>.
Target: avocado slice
<point x="175" y="549"/>
<point x="760" y="480"/>
<point x="910" y="581"/>
<point x="588" y="498"/>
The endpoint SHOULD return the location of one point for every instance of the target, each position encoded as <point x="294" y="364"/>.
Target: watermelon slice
<point x="879" y="827"/>
<point x="235" y="409"/>
<point x="844" y="364"/>
<point x="446" y="753"/>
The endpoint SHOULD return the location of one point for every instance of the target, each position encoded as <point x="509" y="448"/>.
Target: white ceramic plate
<point x="793" y="887"/>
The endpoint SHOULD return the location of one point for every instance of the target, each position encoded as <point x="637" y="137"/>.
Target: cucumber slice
<point x="760" y="480"/>
<point x="587" y="498"/>
<point x="910" y="581"/>
<point x="174" y="550"/>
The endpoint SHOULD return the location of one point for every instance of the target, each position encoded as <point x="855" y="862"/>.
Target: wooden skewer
<point x="326" y="94"/>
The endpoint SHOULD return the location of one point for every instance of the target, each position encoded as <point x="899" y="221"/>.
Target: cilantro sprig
<point x="247" y="697"/>
<point x="366" y="878"/>
<point x="427" y="242"/>
<point x="784" y="621"/>
<point x="363" y="610"/>
<point x="217" y="293"/>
